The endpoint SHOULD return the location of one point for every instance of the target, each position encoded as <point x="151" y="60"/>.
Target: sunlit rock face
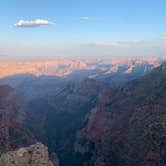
<point x="64" y="67"/>
<point x="34" y="155"/>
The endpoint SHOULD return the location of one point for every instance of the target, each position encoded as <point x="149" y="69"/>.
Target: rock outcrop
<point x="34" y="155"/>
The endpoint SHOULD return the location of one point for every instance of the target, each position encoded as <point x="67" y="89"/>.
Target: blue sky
<point x="83" y="28"/>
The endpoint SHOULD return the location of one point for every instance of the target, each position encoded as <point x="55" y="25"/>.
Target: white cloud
<point x="117" y="43"/>
<point x="107" y="43"/>
<point x="84" y="18"/>
<point x="33" y="23"/>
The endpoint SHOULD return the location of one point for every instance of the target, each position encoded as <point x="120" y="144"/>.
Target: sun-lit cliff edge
<point x="64" y="67"/>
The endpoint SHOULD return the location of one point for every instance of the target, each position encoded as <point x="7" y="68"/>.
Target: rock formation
<point x="34" y="155"/>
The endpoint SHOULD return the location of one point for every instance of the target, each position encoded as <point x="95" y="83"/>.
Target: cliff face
<point x="64" y="67"/>
<point x="34" y="155"/>
<point x="129" y="129"/>
<point x="13" y="133"/>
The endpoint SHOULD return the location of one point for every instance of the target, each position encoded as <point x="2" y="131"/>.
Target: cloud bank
<point x="33" y="23"/>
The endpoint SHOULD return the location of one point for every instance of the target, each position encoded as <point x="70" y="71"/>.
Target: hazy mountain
<point x="116" y="71"/>
<point x="108" y="70"/>
<point x="31" y="87"/>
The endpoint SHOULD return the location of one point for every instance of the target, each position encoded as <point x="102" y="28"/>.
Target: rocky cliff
<point x="34" y="155"/>
<point x="130" y="128"/>
<point x="13" y="132"/>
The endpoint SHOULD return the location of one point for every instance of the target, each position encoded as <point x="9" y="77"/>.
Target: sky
<point x="82" y="28"/>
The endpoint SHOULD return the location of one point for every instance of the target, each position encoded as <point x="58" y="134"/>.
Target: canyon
<point x="90" y="121"/>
